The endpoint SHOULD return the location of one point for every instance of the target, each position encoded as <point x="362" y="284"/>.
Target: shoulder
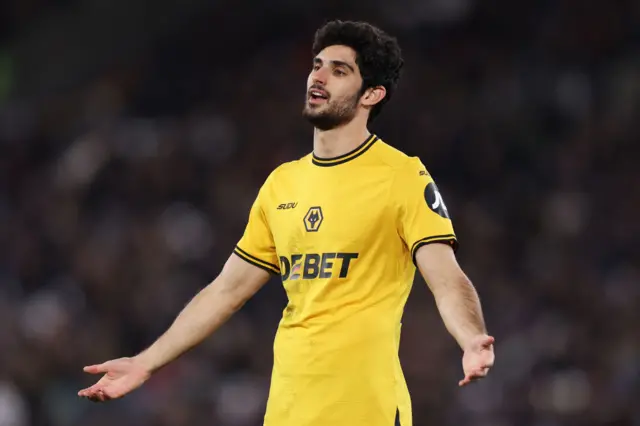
<point x="401" y="163"/>
<point x="288" y="170"/>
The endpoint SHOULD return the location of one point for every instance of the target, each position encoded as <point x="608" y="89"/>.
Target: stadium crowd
<point x="121" y="198"/>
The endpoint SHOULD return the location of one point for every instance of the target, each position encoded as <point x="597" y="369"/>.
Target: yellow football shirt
<point x="342" y="234"/>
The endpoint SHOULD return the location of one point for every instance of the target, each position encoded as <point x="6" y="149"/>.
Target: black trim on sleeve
<point x="445" y="239"/>
<point x="269" y="267"/>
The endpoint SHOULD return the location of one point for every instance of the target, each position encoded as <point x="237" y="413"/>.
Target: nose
<point x="319" y="76"/>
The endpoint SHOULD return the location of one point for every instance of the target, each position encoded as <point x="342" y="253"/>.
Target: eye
<point x="316" y="67"/>
<point x="339" y="72"/>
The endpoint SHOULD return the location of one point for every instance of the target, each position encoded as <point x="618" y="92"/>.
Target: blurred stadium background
<point x="135" y="134"/>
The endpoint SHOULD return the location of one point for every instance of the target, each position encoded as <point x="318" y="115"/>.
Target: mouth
<point x="317" y="96"/>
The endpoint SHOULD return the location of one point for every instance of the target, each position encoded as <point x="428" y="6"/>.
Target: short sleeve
<point x="257" y="245"/>
<point x="423" y="217"/>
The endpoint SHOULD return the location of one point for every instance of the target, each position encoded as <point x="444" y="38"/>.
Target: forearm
<point x="203" y="315"/>
<point x="460" y="309"/>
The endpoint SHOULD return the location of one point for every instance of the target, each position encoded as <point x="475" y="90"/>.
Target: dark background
<point x="134" y="136"/>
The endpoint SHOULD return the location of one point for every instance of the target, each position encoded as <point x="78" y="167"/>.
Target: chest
<point x="341" y="213"/>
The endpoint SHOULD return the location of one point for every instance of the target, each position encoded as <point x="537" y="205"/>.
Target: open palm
<point x="121" y="376"/>
<point x="478" y="358"/>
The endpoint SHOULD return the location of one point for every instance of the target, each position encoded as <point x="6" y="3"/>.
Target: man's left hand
<point x="478" y="358"/>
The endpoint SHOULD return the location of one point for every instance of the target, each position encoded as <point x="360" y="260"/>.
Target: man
<point x="343" y="227"/>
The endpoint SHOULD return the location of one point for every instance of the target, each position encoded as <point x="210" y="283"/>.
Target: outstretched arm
<point x="206" y="312"/>
<point x="203" y="315"/>
<point x="459" y="307"/>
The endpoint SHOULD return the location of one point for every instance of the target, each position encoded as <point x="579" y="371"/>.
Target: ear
<point x="373" y="95"/>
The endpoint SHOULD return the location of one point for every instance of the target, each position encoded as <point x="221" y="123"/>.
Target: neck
<point x="339" y="141"/>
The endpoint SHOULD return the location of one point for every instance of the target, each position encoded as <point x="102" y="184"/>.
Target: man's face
<point x="333" y="88"/>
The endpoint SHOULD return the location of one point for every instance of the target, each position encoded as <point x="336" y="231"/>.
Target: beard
<point x="331" y="114"/>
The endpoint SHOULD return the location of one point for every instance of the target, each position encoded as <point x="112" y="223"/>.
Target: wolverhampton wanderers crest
<point x="313" y="219"/>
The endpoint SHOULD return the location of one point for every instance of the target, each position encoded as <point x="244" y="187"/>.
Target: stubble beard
<point x="331" y="115"/>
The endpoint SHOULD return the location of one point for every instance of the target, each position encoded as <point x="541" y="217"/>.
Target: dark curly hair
<point x="378" y="54"/>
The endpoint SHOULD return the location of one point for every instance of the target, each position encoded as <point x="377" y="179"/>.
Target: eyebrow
<point x="336" y="63"/>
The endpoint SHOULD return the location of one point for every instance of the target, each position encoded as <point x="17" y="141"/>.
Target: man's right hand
<point x="121" y="376"/>
<point x="204" y="314"/>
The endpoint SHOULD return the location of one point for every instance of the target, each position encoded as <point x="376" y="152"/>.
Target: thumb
<point x="487" y="341"/>
<point x="98" y="368"/>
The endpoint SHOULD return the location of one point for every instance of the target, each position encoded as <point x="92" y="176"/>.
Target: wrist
<point x="146" y="361"/>
<point x="471" y="340"/>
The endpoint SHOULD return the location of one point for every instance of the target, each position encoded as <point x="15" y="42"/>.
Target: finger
<point x="468" y="378"/>
<point x="84" y="392"/>
<point x="488" y="341"/>
<point x="481" y="373"/>
<point x="91" y="390"/>
<point x="486" y="365"/>
<point x="109" y="394"/>
<point x="473" y="376"/>
<point x="94" y="389"/>
<point x="478" y="374"/>
<point x="464" y="381"/>
<point x="97" y="368"/>
<point x="105" y="393"/>
<point x="98" y="397"/>
<point x="91" y="396"/>
<point x="482" y="365"/>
